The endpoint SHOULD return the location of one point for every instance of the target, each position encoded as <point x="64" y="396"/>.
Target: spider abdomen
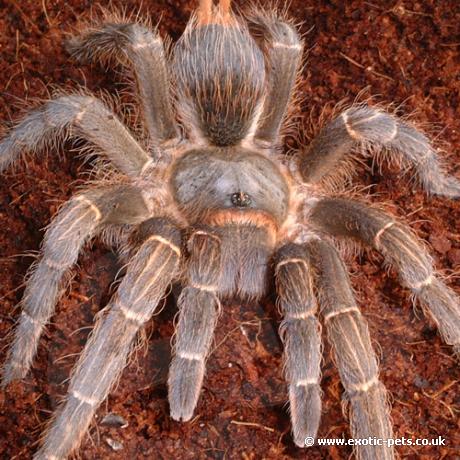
<point x="220" y="77"/>
<point x="236" y="180"/>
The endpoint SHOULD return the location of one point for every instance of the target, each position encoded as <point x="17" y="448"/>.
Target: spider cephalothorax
<point x="216" y="207"/>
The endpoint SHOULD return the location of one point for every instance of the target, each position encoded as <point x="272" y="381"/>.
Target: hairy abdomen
<point x="220" y="77"/>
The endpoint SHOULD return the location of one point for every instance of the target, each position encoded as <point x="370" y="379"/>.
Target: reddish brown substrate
<point x="401" y="51"/>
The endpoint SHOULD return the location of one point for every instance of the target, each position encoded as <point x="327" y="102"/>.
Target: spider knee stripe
<point x="376" y="114"/>
<point x="166" y="242"/>
<point x="352" y="133"/>
<point x="422" y="284"/>
<point x="301" y="315"/>
<point x="79" y="116"/>
<point x="332" y="314"/>
<point x="146" y="166"/>
<point x="53" y="264"/>
<point x="190" y="356"/>
<point x="144" y="44"/>
<point x="357" y="136"/>
<point x="306" y="382"/>
<point x="132" y="315"/>
<point x="293" y="260"/>
<point x="379" y="234"/>
<point x="85" y="399"/>
<point x="212" y="288"/>
<point x="202" y="232"/>
<point x="363" y="387"/>
<point x="93" y="207"/>
<point x="296" y="46"/>
<point x="393" y="134"/>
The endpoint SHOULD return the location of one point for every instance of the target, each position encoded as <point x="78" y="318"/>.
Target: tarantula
<point x="214" y="206"/>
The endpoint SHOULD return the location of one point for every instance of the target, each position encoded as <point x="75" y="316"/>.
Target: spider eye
<point x="241" y="199"/>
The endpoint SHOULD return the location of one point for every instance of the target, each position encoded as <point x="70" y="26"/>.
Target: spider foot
<point x="305" y="404"/>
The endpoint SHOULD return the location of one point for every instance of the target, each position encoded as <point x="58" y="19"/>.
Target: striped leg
<point x="253" y="245"/>
<point x="83" y="116"/>
<point x="367" y="126"/>
<point x="78" y="221"/>
<point x="199" y="308"/>
<point x="400" y="248"/>
<point x="284" y="53"/>
<point x="301" y="332"/>
<point x="150" y="272"/>
<point x="144" y="51"/>
<point x="356" y="361"/>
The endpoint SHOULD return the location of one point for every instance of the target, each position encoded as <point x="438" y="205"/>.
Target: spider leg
<point x="83" y="116"/>
<point x="199" y="307"/>
<point x="374" y="128"/>
<point x="348" y="334"/>
<point x="77" y="222"/>
<point x="301" y="332"/>
<point x="346" y="218"/>
<point x="143" y="49"/>
<point x="253" y="245"/>
<point x="151" y="270"/>
<point x="283" y="53"/>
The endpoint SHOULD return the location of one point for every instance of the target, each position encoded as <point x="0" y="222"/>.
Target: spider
<point x="217" y="206"/>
